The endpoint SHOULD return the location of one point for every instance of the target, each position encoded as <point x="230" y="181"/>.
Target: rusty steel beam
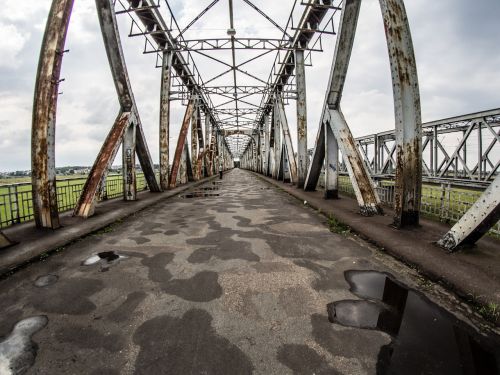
<point x="318" y="156"/>
<point x="5" y="241"/>
<point x="181" y="142"/>
<point x="88" y="198"/>
<point x="408" y="184"/>
<point x="300" y="79"/>
<point x="364" y="189"/>
<point x="277" y="141"/>
<point x="116" y="59"/>
<point x="43" y="129"/>
<point x="362" y="183"/>
<point x="166" y="77"/>
<point x="194" y="137"/>
<point x="477" y="221"/>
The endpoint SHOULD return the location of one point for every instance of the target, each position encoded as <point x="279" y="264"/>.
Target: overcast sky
<point x="456" y="46"/>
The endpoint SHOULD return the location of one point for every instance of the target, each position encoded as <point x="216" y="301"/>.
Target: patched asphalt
<point x="235" y="282"/>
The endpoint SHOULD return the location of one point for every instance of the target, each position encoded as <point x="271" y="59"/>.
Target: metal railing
<point x="16" y="200"/>
<point x="445" y="202"/>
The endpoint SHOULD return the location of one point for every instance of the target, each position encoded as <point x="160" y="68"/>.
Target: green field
<point x="18" y="194"/>
<point x="438" y="202"/>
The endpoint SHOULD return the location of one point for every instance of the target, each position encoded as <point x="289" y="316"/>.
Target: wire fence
<point x="16" y="200"/>
<point x="445" y="202"/>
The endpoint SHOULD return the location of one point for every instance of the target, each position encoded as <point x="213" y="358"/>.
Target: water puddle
<point x="198" y="194"/>
<point x="46" y="280"/>
<point x="105" y="259"/>
<point x="17" y="351"/>
<point x="426" y="339"/>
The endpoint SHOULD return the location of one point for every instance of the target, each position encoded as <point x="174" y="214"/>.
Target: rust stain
<point x="180" y="144"/>
<point x="87" y="199"/>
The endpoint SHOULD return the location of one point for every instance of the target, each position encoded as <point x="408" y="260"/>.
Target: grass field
<point x="16" y="199"/>
<point x="441" y="203"/>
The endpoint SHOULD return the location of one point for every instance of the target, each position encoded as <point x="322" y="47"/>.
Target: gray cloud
<point x="455" y="44"/>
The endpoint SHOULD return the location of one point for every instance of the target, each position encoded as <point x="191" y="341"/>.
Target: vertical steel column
<point x="300" y="80"/>
<point x="376" y="157"/>
<point x="479" y="153"/>
<point x="277" y="140"/>
<point x="207" y="146"/>
<point x="331" y="164"/>
<point x="267" y="151"/>
<point x="477" y="221"/>
<point x="408" y="184"/>
<point x="166" y="76"/>
<point x="194" y="137"/>
<point x="43" y="165"/>
<point x="128" y="162"/>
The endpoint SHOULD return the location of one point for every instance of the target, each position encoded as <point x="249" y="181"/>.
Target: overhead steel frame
<point x="277" y="156"/>
<point x="127" y="129"/>
<point x="155" y="26"/>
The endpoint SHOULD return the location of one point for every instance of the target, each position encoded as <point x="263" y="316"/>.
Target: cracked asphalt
<point x="235" y="282"/>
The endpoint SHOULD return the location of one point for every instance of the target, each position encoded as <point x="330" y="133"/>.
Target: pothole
<point x="17" y="351"/>
<point x="46" y="280"/>
<point x="105" y="259"/>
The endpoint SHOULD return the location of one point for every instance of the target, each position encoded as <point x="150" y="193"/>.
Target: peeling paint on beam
<point x="44" y="115"/>
<point x="476" y="222"/>
<point x="367" y="197"/>
<point x="181" y="141"/>
<point x="408" y="184"/>
<point x="88" y="198"/>
<point x="300" y="79"/>
<point x="317" y="159"/>
<point x="165" y="118"/>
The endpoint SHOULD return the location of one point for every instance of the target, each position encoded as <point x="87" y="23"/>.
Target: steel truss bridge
<point x="239" y="114"/>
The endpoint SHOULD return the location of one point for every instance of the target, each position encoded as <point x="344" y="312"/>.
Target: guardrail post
<point x="14" y="207"/>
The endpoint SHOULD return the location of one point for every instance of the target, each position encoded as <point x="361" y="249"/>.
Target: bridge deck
<point x="231" y="283"/>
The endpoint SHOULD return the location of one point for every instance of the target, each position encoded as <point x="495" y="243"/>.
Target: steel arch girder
<point x="43" y="128"/>
<point x="406" y="101"/>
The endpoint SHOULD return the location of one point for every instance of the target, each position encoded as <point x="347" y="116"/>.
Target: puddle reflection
<point x="426" y="339"/>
